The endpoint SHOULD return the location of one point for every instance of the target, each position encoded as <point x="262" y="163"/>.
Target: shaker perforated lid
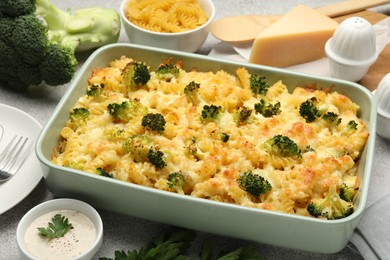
<point x="353" y="42"/>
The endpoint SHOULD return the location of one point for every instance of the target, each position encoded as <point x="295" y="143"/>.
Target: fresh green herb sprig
<point x="173" y="246"/>
<point x="57" y="228"/>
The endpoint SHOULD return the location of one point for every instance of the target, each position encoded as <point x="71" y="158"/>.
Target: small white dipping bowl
<point x="188" y="41"/>
<point x="56" y="205"/>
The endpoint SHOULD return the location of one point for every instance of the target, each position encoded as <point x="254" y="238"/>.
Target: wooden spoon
<point x="245" y="28"/>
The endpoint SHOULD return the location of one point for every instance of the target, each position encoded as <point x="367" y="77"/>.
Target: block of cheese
<point x="297" y="37"/>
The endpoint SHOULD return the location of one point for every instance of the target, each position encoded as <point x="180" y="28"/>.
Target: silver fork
<point x="13" y="156"/>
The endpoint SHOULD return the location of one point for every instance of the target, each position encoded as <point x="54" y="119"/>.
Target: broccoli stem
<point x="85" y="29"/>
<point x="55" y="18"/>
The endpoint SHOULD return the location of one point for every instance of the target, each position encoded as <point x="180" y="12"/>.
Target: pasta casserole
<point x="214" y="135"/>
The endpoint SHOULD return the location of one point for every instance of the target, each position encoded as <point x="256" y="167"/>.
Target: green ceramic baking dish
<point x="262" y="226"/>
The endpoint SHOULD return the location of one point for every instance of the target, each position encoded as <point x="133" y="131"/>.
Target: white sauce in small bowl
<point x="75" y="242"/>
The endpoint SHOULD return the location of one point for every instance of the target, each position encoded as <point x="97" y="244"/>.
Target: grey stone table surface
<point x="126" y="232"/>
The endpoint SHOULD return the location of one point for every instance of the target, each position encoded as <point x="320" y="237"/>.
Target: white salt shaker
<point x="382" y="95"/>
<point x="352" y="49"/>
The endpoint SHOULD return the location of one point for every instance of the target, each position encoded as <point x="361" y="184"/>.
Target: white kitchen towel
<point x="372" y="235"/>
<point x="241" y="52"/>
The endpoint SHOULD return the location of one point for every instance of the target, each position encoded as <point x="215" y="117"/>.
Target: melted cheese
<point x="297" y="37"/>
<point x="195" y="148"/>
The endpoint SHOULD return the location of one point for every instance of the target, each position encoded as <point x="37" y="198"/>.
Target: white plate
<point x="15" y="121"/>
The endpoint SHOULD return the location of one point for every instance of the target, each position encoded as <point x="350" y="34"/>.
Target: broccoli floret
<point x="79" y="115"/>
<point x="31" y="41"/>
<point x="114" y="134"/>
<point x="254" y="184"/>
<point x="332" y="118"/>
<point x="23" y="47"/>
<point x="348" y="193"/>
<point x="190" y="146"/>
<point x="191" y="91"/>
<point x="104" y="173"/>
<point x="219" y="135"/>
<point x="167" y="72"/>
<point x="225" y="137"/>
<point x="176" y="181"/>
<point x="352" y="125"/>
<point x="157" y="158"/>
<point x="309" y="111"/>
<point x="241" y="114"/>
<point x="138" y="146"/>
<point x="126" y="111"/>
<point x="258" y="84"/>
<point x="154" y="122"/>
<point x="330" y="207"/>
<point x="15" y="8"/>
<point x="38" y="41"/>
<point x="282" y="145"/>
<point x="95" y="90"/>
<point x="267" y="109"/>
<point x="58" y="65"/>
<point x="211" y="113"/>
<point x="119" y="111"/>
<point x="135" y="75"/>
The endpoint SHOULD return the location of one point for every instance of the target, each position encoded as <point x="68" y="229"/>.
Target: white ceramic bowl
<point x="188" y="41"/>
<point x="55" y="205"/>
<point x="352" y="49"/>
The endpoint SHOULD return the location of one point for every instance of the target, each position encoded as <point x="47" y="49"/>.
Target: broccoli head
<point x="30" y="39"/>
<point x="104" y="173"/>
<point x="42" y="40"/>
<point x="167" y="72"/>
<point x="156" y="158"/>
<point x="79" y="115"/>
<point x="114" y="133"/>
<point x="59" y="65"/>
<point x="176" y="181"/>
<point x="332" y="118"/>
<point x="95" y="90"/>
<point x="282" y="145"/>
<point x="191" y="148"/>
<point x="138" y="146"/>
<point x="309" y="111"/>
<point x="191" y="91"/>
<point x="211" y="113"/>
<point x="267" y="109"/>
<point x="154" y="122"/>
<point x="15" y="8"/>
<point x="258" y="84"/>
<point x="352" y="125"/>
<point x="225" y="137"/>
<point x="331" y="207"/>
<point x="241" y="114"/>
<point x="135" y="75"/>
<point x="126" y="111"/>
<point x="347" y="193"/>
<point x="254" y="184"/>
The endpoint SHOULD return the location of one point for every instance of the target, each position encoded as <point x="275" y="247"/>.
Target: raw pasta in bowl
<point x="169" y="24"/>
